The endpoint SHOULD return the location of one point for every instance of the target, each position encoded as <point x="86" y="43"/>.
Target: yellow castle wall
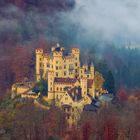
<point x="63" y="66"/>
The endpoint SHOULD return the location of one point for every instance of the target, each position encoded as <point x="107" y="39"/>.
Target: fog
<point x="108" y="20"/>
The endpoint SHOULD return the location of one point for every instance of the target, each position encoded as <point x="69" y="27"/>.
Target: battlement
<point x="64" y="64"/>
<point x="58" y="51"/>
<point x="39" y="51"/>
<point x="75" y="50"/>
<point x="84" y="79"/>
<point x="57" y="54"/>
<point x="50" y="72"/>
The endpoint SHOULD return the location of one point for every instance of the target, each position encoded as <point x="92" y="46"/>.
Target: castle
<point x="70" y="84"/>
<point x="64" y="71"/>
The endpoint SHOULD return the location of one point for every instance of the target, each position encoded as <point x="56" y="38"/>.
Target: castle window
<point x="48" y="65"/>
<point x="72" y="109"/>
<point x="56" y="67"/>
<point x="76" y="58"/>
<point x="68" y="116"/>
<point x="60" y="89"/>
<point x="73" y="117"/>
<point x="70" y="66"/>
<point x="57" y="97"/>
<point x="56" y="62"/>
<point x="76" y="64"/>
<point x="40" y="59"/>
<point x="41" y="72"/>
<point x="56" y="74"/>
<point x="50" y="89"/>
<point x="65" y="73"/>
<point x="64" y="66"/>
<point x="68" y="109"/>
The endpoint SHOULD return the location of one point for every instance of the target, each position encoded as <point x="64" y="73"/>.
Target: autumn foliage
<point x="122" y="94"/>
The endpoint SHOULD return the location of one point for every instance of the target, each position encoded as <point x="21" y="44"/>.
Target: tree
<point x="110" y="83"/>
<point x="6" y="76"/>
<point x="122" y="94"/>
<point x="99" y="81"/>
<point x="110" y="128"/>
<point x="54" y="122"/>
<point x="42" y="87"/>
<point x="86" y="131"/>
<point x="21" y="64"/>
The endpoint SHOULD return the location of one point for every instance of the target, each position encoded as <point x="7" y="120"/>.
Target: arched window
<point x="57" y="88"/>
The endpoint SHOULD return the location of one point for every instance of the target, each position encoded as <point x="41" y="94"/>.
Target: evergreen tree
<point x="42" y="87"/>
<point x="110" y="82"/>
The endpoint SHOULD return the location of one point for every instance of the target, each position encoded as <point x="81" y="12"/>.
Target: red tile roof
<point x="65" y="80"/>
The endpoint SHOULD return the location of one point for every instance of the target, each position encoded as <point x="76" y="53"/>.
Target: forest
<point x="20" y="119"/>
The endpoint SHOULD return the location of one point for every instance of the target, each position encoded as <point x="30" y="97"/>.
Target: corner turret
<point x="39" y="57"/>
<point x="51" y="85"/>
<point x="92" y="70"/>
<point x="83" y="82"/>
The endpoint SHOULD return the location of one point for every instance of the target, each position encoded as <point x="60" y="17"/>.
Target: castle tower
<point x="83" y="83"/>
<point x="92" y="70"/>
<point x="85" y="67"/>
<point x="76" y="55"/>
<point x="93" y="90"/>
<point x="51" y="85"/>
<point x="58" y="60"/>
<point x="39" y="54"/>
